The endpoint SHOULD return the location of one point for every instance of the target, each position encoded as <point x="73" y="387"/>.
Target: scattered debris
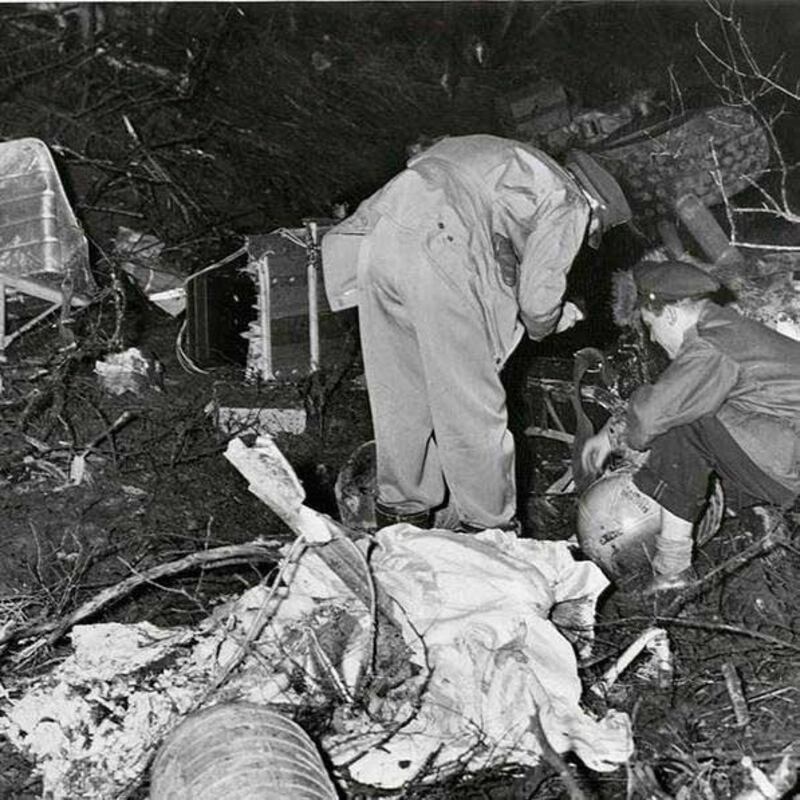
<point x="548" y="115"/>
<point x="480" y="663"/>
<point x="540" y="113"/>
<point x="656" y="642"/>
<point x="140" y="255"/>
<point x="128" y="371"/>
<point x="43" y="252"/>
<point x="260" y="421"/>
<point x="770" y="787"/>
<point x="40" y="234"/>
<point x="294" y="331"/>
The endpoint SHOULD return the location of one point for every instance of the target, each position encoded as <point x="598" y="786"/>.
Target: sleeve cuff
<point x="617" y="430"/>
<point x="539" y="328"/>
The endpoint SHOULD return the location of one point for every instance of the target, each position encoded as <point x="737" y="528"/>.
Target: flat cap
<point x="672" y="280"/>
<point x="601" y="184"/>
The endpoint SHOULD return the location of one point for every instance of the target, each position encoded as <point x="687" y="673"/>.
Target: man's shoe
<point x="385" y="516"/>
<point x="512" y="525"/>
<point x="669" y="583"/>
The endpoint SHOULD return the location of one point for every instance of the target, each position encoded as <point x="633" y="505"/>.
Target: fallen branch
<point x="735" y="756"/>
<point x="778" y="535"/>
<point x="549" y="433"/>
<point x="256" y="628"/>
<point x="733" y="684"/>
<point x="54" y="629"/>
<point x="714" y="627"/>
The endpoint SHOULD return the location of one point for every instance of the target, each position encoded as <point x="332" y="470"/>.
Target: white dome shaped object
<point x="617" y="524"/>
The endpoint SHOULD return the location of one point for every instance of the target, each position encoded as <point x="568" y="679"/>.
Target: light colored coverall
<point x="471" y="245"/>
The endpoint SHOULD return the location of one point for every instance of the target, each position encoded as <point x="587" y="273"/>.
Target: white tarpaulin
<point x="480" y="612"/>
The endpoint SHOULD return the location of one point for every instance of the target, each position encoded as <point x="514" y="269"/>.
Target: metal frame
<point x="56" y="297"/>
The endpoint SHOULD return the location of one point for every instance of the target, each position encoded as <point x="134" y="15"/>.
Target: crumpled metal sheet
<point x="39" y="234"/>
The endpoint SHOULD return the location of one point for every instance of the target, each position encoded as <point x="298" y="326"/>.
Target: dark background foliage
<point x="192" y="119"/>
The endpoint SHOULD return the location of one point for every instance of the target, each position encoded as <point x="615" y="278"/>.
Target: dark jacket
<point x="744" y="373"/>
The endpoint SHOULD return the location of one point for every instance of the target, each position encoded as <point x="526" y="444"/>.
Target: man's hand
<point x="570" y="314"/>
<point x="595" y="452"/>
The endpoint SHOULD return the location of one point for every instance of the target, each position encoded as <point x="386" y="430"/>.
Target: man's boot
<point x="387" y="515"/>
<point x="513" y="525"/>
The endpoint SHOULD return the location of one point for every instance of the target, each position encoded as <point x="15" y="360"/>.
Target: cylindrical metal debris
<point x="707" y="231"/>
<point x="239" y="751"/>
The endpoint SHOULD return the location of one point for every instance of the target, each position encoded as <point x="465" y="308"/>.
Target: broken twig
<point x="772" y="539"/>
<point x="218" y="556"/>
<point x="713" y="627"/>
<point x="734" y="686"/>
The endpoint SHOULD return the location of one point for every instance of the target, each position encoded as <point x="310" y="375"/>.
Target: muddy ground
<point x="260" y="116"/>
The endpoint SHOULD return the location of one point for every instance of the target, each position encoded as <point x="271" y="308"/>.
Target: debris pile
<point x="487" y="623"/>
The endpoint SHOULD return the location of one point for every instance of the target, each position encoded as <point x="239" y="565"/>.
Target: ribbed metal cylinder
<point x="239" y="751"/>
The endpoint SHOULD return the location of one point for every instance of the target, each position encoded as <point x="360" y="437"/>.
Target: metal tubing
<point x="313" y="302"/>
<point x="264" y="322"/>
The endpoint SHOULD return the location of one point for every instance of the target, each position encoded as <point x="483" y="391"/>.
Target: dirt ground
<point x="163" y="490"/>
<point x="159" y="491"/>
<point x="255" y="132"/>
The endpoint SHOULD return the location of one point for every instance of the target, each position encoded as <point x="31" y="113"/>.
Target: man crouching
<point x="728" y="403"/>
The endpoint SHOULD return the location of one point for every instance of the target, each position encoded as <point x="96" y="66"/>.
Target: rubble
<point x="488" y="627"/>
<point x="140" y="256"/>
<point x="128" y="371"/>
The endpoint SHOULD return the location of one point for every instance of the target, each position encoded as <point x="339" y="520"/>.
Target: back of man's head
<point x="612" y="207"/>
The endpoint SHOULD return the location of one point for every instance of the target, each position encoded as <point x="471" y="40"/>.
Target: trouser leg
<point x="409" y="475"/>
<point x="467" y="402"/>
<point x="676" y="475"/>
<point x="677" y="471"/>
<point x="673" y="545"/>
<point x="439" y="408"/>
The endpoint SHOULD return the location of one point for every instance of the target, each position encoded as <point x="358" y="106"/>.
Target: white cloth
<point x="484" y="606"/>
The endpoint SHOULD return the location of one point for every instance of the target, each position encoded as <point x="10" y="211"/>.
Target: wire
<point x="289" y="234"/>
<point x="217" y="264"/>
<point x="369" y="668"/>
<point x="183" y="357"/>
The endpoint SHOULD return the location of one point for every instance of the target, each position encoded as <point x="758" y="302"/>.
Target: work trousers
<point x="438" y="405"/>
<point x="677" y="471"/>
